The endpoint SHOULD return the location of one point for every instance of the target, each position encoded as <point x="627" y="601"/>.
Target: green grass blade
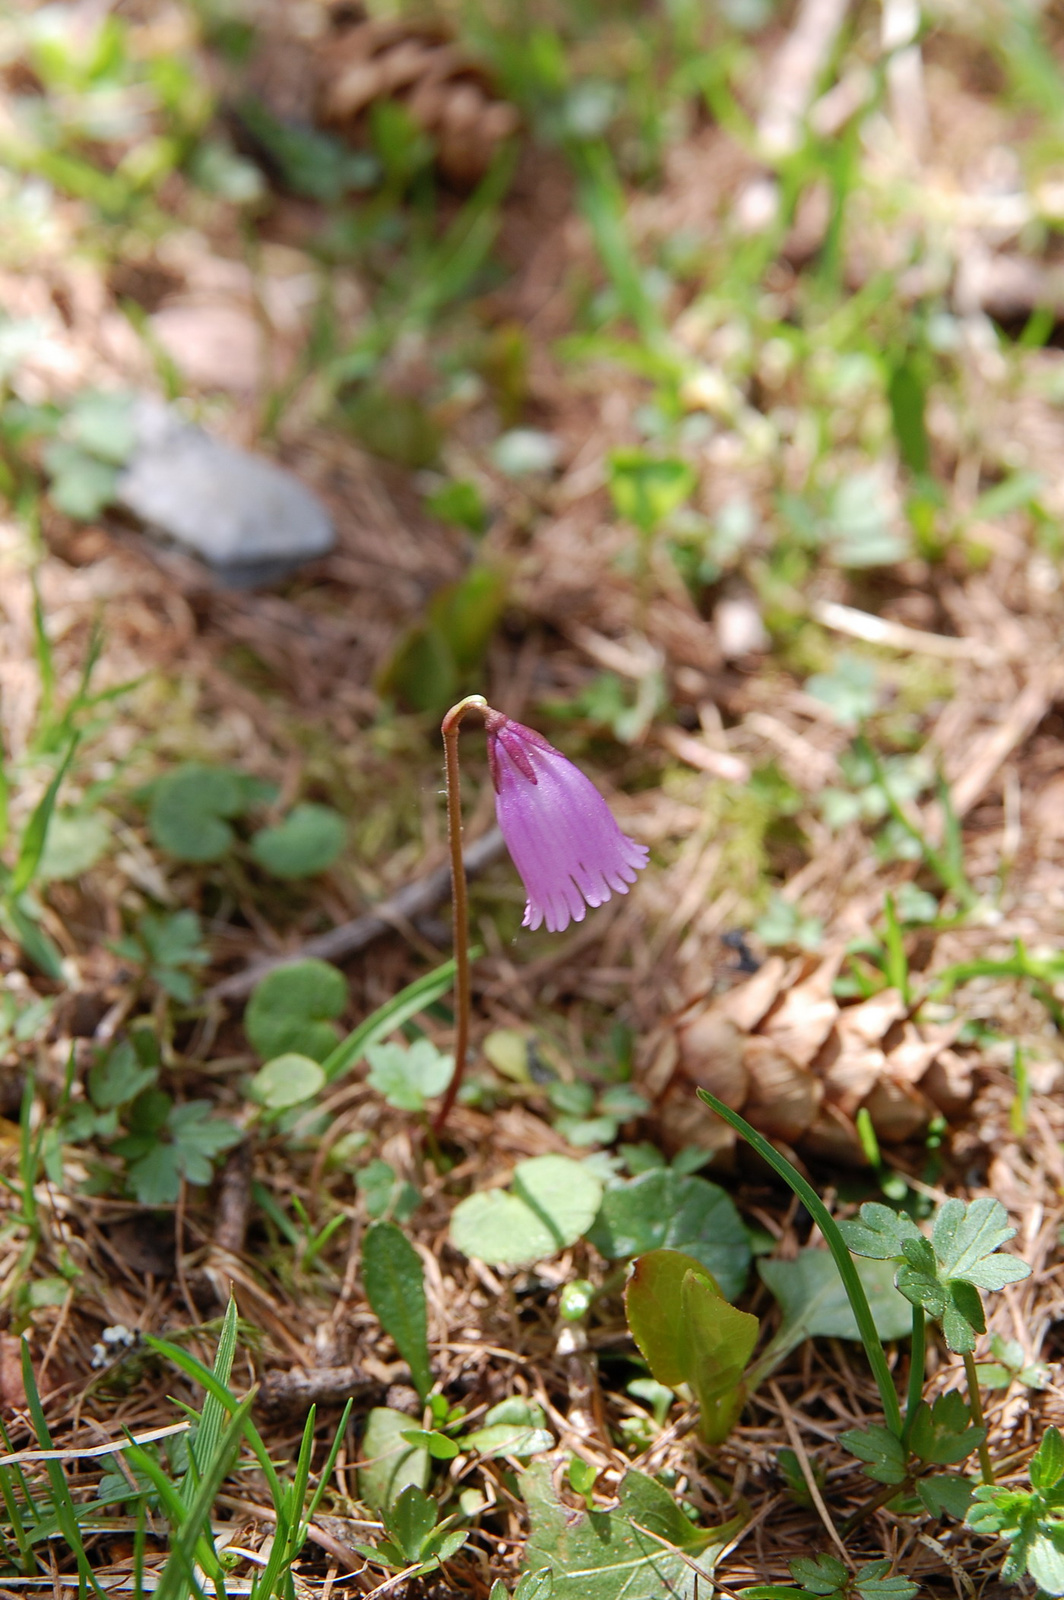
<point x="62" y="1499"/>
<point x="212" y="1418"/>
<point x="31" y="845"/>
<point x="391" y="1015"/>
<point x="194" y="1538"/>
<point x="877" y="1359"/>
<point x="5" y="798"/>
<point x="285" y="1541"/>
<point x="42" y="649"/>
<point x="327" y="1469"/>
<point x="15" y="1515"/>
<point x="205" y="1377"/>
<point x="897" y="963"/>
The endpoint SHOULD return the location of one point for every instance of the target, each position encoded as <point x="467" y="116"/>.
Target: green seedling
<point x="587" y="1118"/>
<point x="1030" y="1521"/>
<point x="415" y="1544"/>
<point x="1010" y="1365"/>
<point x="580" y="1477"/>
<point x="690" y="1334"/>
<point x="408" y="1076"/>
<point x="824" y="1577"/>
<point x="168" y="950"/>
<point x="941" y="1278"/>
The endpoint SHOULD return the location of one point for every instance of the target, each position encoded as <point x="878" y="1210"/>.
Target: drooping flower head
<point x="560" y="832"/>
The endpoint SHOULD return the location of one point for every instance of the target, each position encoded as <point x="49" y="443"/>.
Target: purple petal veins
<point x="560" y="832"/>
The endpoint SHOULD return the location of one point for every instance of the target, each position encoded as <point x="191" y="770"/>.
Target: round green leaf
<point x="498" y="1228"/>
<point x="553" y="1202"/>
<point x="562" y="1191"/>
<point x="75" y="841"/>
<point x="291" y="1010"/>
<point x="308" y="840"/>
<point x="189" y="808"/>
<point x="287" y="1080"/>
<point x="669" y="1210"/>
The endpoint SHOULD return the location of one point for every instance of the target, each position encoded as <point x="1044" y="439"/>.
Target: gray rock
<point x="250" y="520"/>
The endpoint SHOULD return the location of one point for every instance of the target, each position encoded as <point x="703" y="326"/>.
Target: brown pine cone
<point x="799" y="1064"/>
<point x="447" y="94"/>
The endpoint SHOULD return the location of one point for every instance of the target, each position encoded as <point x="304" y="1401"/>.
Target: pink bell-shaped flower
<point x="560" y="832"/>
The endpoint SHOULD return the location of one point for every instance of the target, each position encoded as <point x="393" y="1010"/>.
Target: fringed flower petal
<point x="560" y="832"/>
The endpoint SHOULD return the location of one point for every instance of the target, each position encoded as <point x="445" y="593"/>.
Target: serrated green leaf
<point x="922" y="1288"/>
<point x="897" y="1588"/>
<point x="963" y="1317"/>
<point x="942" y="1433"/>
<point x="409" y="1075"/>
<point x="822" y="1574"/>
<point x="879" y="1232"/>
<point x="945" y="1492"/>
<point x="882" y="1452"/>
<point x="964" y="1233"/>
<point x="118" y="1077"/>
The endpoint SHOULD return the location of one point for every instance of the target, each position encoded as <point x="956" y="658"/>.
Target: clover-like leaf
<point x="821" y="1574"/>
<point x="287" y="1080"/>
<point x="190" y="808"/>
<point x="882" y="1452"/>
<point x="553" y="1202"/>
<point x="408" y="1075"/>
<point x="964" y="1235"/>
<point x="880" y="1232"/>
<point x="942" y="1433"/>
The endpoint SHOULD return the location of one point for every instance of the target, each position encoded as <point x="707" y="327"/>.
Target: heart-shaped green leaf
<point x="291" y="1010"/>
<point x="307" y="841"/>
<point x="190" y="808"/>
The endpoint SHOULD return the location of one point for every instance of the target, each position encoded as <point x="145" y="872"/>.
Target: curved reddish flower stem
<point x="459" y="901"/>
